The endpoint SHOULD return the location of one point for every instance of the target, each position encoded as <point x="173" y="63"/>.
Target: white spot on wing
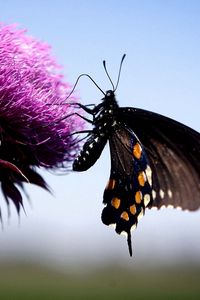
<point x="133" y="227"/>
<point x="112" y="225"/>
<point x="161" y="193"/>
<point x="170" y="206"/>
<point x="146" y="199"/>
<point x="163" y="207"/>
<point x="154" y="208"/>
<point x="141" y="214"/>
<point x="124" y="233"/>
<point x="154" y="194"/>
<point x="149" y="175"/>
<point x="180" y="208"/>
<point x="169" y="192"/>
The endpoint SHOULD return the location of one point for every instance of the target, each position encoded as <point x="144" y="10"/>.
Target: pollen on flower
<point x="33" y="130"/>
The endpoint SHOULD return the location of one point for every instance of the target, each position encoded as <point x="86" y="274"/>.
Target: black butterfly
<point x="155" y="161"/>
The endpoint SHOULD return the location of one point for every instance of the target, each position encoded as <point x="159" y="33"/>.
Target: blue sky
<point x="160" y="73"/>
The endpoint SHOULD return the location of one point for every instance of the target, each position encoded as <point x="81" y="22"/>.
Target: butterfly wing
<point x="129" y="189"/>
<point x="173" y="150"/>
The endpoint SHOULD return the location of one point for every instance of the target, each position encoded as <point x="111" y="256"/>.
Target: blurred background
<point x="60" y="249"/>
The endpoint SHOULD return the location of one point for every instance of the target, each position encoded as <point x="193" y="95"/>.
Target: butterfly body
<point x="104" y="122"/>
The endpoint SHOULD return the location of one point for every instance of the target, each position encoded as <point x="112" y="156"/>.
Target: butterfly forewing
<point x="173" y="150"/>
<point x="128" y="191"/>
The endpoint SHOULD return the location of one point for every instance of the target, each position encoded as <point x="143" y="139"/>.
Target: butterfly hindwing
<point x="128" y="191"/>
<point x="173" y="151"/>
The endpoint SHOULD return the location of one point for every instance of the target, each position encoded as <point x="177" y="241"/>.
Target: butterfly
<point x="155" y="162"/>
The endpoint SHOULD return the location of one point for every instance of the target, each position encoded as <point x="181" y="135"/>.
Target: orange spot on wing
<point x="115" y="202"/>
<point x="133" y="209"/>
<point x="137" y="151"/>
<point x="141" y="178"/>
<point x="110" y="184"/>
<point x="124" y="216"/>
<point x="138" y="197"/>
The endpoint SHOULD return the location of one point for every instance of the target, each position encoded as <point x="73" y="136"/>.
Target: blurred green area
<point x="23" y="281"/>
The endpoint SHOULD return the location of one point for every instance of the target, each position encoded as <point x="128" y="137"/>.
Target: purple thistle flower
<point x="32" y="105"/>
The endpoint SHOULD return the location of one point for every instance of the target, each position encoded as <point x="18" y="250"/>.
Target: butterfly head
<point x="109" y="94"/>
<point x="109" y="97"/>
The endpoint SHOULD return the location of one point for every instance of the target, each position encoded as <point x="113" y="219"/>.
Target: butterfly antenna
<point x="78" y="81"/>
<point x="104" y="65"/>
<point x="120" y="67"/>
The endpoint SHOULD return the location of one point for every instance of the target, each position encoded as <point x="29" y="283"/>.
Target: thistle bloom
<point x="33" y="130"/>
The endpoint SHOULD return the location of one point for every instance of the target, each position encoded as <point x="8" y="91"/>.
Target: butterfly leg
<point x="77" y="114"/>
<point x="76" y="141"/>
<point x="80" y="105"/>
<point x="85" y="107"/>
<point x="81" y="131"/>
<point x="91" y="111"/>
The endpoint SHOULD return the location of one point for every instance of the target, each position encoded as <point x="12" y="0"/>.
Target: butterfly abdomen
<point x="90" y="153"/>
